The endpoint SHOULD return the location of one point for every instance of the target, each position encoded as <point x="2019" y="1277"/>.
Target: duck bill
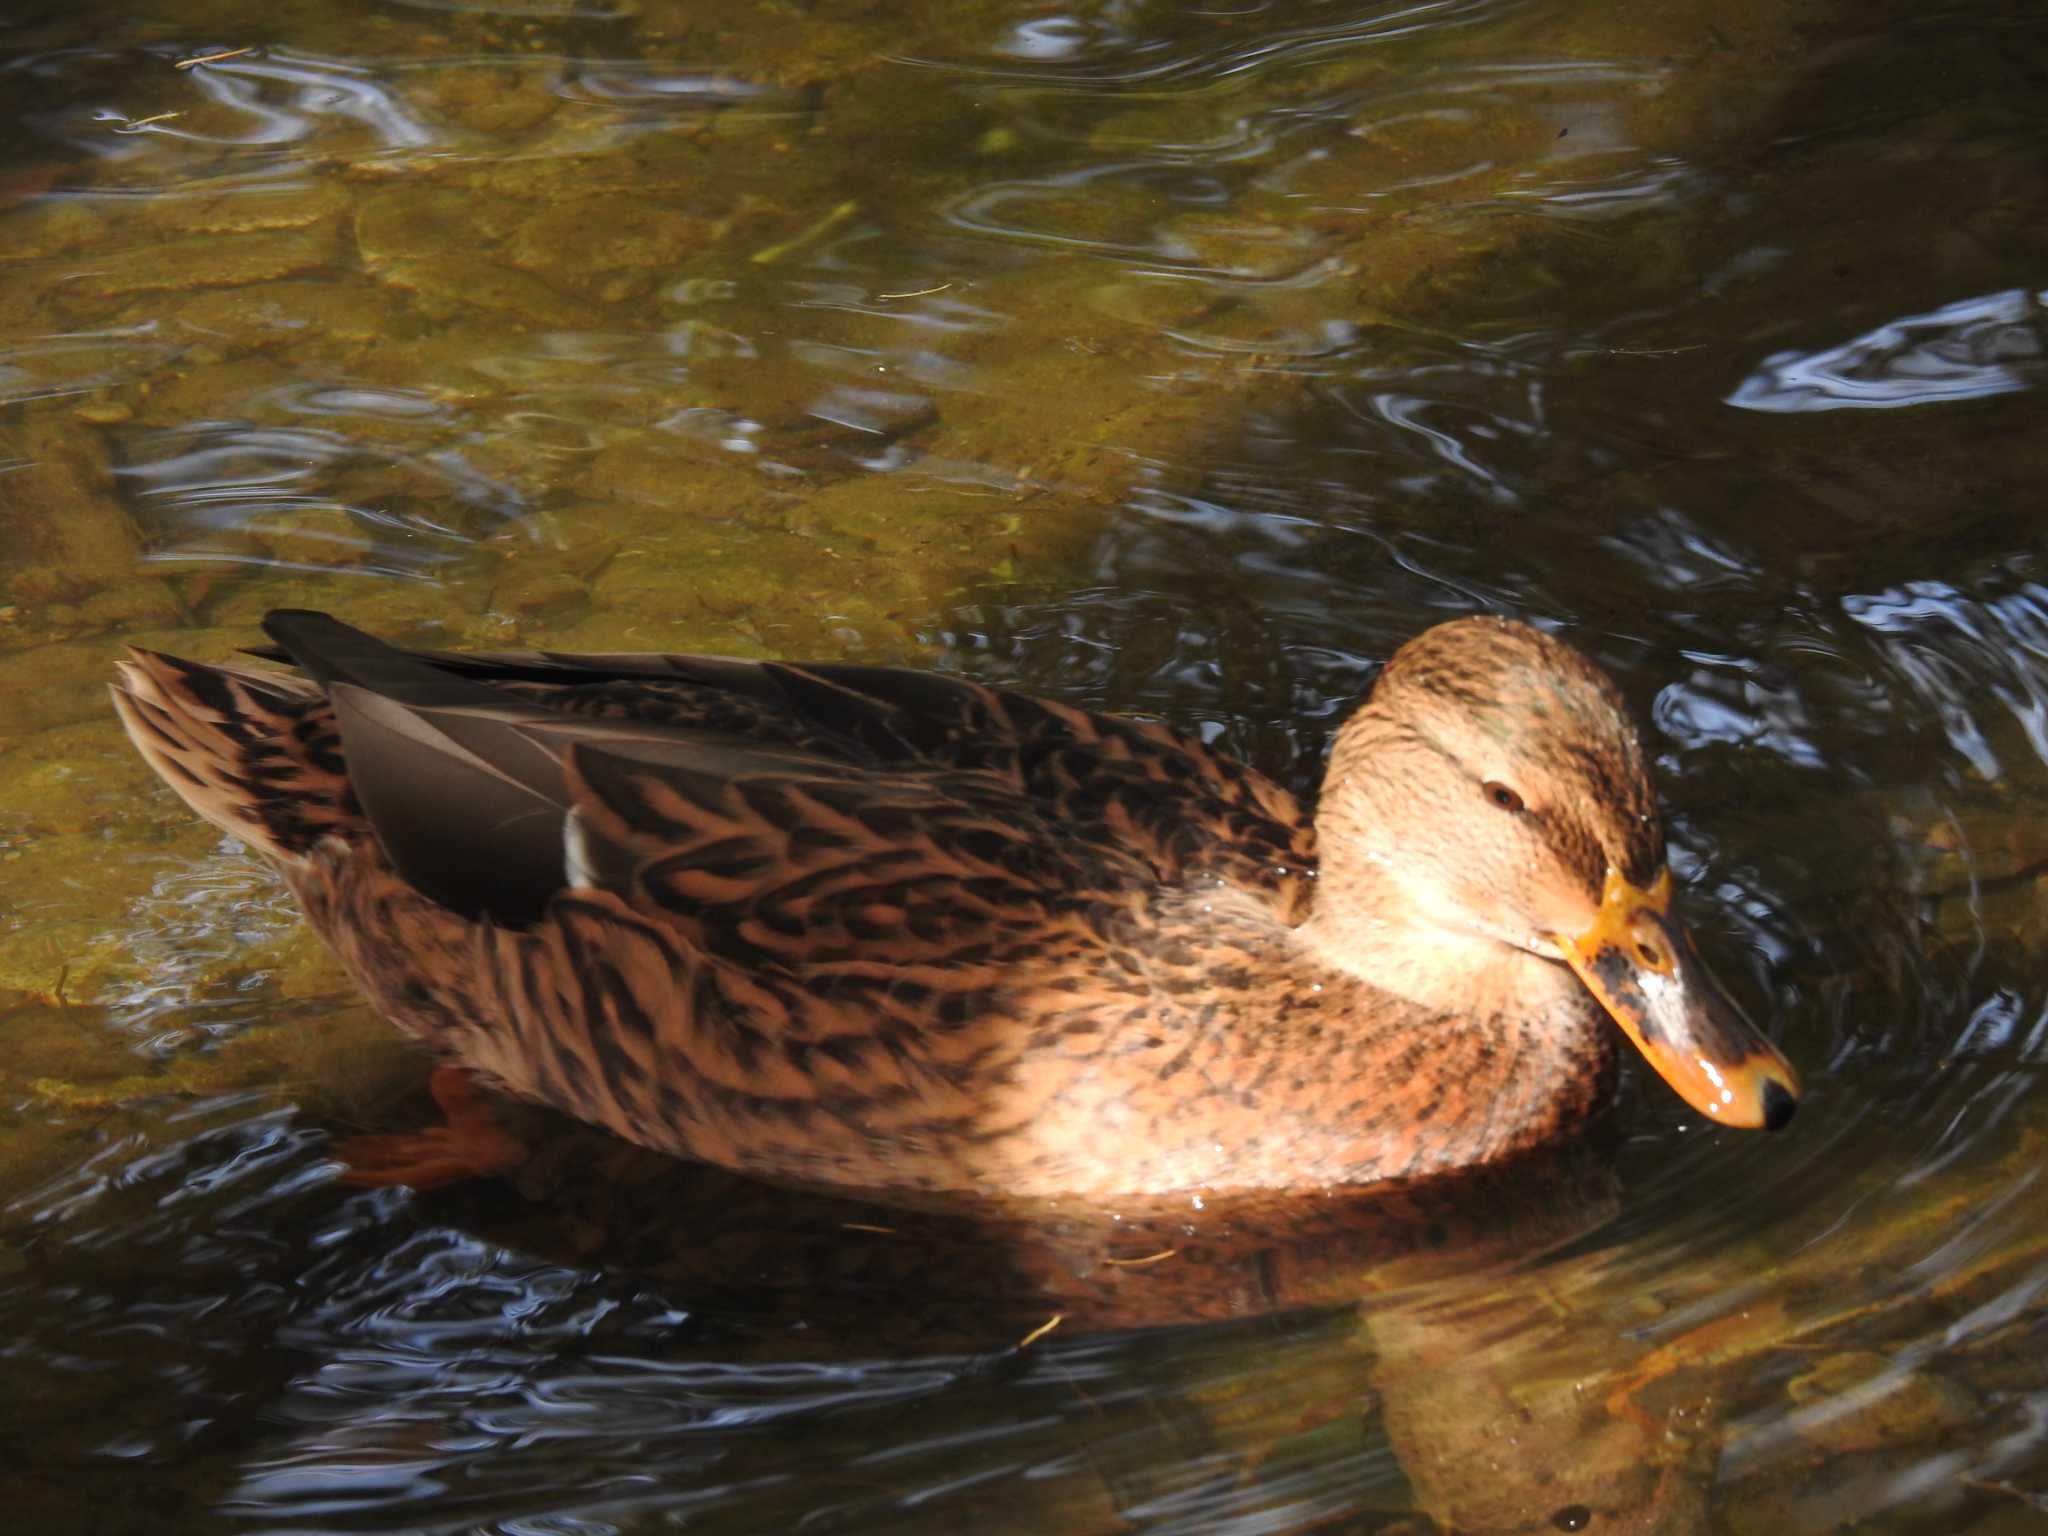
<point x="1640" y="962"/>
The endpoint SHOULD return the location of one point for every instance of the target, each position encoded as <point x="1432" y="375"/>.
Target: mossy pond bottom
<point x="1178" y="362"/>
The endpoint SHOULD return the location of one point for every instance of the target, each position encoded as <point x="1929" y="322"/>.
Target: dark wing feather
<point x="1131" y="786"/>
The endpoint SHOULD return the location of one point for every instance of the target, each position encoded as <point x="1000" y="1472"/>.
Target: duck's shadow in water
<point x="1444" y="1275"/>
<point x="976" y="1275"/>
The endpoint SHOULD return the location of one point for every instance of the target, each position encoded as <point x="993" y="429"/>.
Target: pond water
<point x="1175" y="361"/>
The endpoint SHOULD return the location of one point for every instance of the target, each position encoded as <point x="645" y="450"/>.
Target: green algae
<point x="262" y="207"/>
<point x="63" y="533"/>
<point x="452" y="283"/>
<point x="207" y="261"/>
<point x="416" y="223"/>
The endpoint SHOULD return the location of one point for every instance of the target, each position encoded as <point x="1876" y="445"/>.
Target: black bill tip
<point x="1778" y="1105"/>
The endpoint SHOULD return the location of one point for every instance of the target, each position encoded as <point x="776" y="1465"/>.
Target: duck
<point x="875" y="928"/>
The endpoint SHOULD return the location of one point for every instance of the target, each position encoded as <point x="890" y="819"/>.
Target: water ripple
<point x="1969" y="350"/>
<point x="232" y="493"/>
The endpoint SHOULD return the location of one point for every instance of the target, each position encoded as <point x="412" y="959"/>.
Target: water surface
<point x="1173" y="361"/>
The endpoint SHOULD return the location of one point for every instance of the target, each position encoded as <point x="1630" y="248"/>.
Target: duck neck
<point x="1378" y="916"/>
<point x="1367" y="931"/>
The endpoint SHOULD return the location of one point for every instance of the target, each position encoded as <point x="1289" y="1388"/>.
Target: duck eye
<point x="1499" y="794"/>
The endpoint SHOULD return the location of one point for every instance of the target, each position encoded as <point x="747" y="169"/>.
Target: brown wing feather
<point x="1108" y="779"/>
<point x="255" y="753"/>
<point x="799" y="865"/>
<point x="1101" y="780"/>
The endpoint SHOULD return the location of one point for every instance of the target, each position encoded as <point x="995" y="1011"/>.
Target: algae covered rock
<point x="597" y="245"/>
<point x="413" y="222"/>
<point x="69" y="553"/>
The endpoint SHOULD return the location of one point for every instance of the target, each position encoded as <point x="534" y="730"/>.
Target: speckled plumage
<point x="886" y="929"/>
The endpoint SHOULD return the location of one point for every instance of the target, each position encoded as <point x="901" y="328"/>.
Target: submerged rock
<point x="206" y="261"/>
<point x="64" y="536"/>
<point x="586" y="243"/>
<point x="247" y="209"/>
<point x="411" y="222"/>
<point x="451" y="284"/>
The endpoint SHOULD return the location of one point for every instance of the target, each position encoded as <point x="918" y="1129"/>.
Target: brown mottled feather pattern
<point x="958" y="939"/>
<point x="1136" y="784"/>
<point x="255" y="753"/>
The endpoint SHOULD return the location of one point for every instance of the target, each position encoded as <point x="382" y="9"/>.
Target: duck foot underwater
<point x="888" y="930"/>
<point x="472" y="1142"/>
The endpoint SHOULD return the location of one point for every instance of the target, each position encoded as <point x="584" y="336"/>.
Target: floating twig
<point x="811" y="236"/>
<point x="1041" y="1330"/>
<point x="211" y="58"/>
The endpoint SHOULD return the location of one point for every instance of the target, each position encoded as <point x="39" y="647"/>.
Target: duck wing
<point x="796" y="862"/>
<point x="458" y="762"/>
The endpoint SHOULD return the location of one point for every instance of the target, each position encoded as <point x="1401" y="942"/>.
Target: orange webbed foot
<point x="473" y="1143"/>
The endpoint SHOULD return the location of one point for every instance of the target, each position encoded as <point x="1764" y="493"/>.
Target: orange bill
<point x="1640" y="962"/>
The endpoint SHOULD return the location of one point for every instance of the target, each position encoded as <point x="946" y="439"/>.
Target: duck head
<point x="1488" y="830"/>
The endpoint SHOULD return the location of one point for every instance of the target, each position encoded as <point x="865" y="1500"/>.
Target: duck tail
<point x="330" y="652"/>
<point x="255" y="753"/>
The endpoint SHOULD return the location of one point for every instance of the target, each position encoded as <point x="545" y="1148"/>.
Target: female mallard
<point x="879" y="928"/>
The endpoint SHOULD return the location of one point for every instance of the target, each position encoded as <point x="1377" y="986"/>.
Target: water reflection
<point x="417" y="1364"/>
<point x="193" y="929"/>
<point x="276" y="98"/>
<point x="224" y="494"/>
<point x="1071" y="210"/>
<point x="1969" y="350"/>
<point x="80" y="362"/>
<point x="669" y="88"/>
<point x="571" y="1347"/>
<point x="1949" y="647"/>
